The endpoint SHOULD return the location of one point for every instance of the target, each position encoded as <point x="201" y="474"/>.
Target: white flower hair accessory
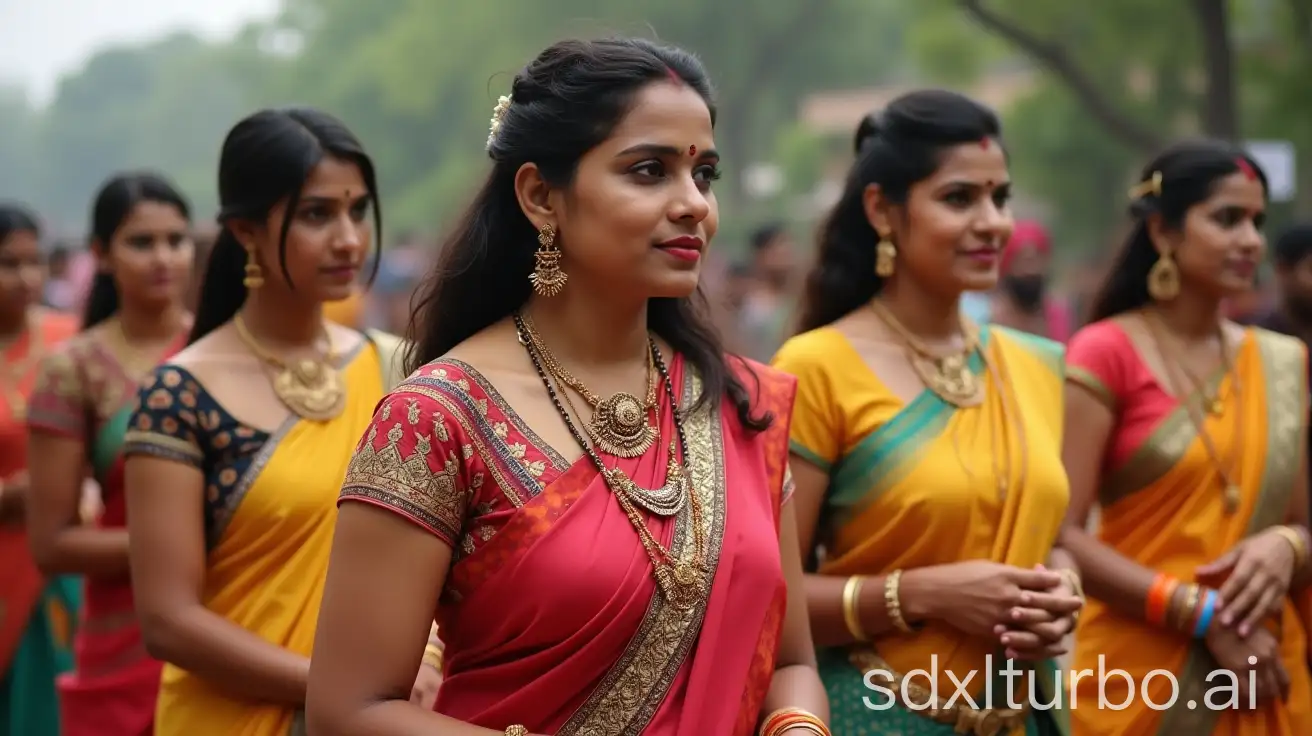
<point x="498" y="114"/>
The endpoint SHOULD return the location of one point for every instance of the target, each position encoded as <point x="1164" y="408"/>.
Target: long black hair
<point x="266" y="159"/>
<point x="16" y="218"/>
<point x="564" y="103"/>
<point x="117" y="197"/>
<point x="895" y="149"/>
<point x="1189" y="173"/>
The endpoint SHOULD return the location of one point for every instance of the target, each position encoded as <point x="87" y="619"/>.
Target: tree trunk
<point x="1220" y="113"/>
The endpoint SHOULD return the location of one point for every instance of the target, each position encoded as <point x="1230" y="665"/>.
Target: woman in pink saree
<point x="629" y="569"/>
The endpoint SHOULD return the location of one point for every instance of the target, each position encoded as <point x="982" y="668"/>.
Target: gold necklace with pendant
<point x="681" y="579"/>
<point x="948" y="376"/>
<point x="311" y="389"/>
<point x="621" y="424"/>
<point x="1232" y="495"/>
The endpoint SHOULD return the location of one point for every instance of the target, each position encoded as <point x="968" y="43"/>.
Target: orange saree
<point x="1162" y="505"/>
<point x="550" y="615"/>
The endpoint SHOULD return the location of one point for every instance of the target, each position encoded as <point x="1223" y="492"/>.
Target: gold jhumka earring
<point x="547" y="277"/>
<point x="254" y="274"/>
<point x="1164" y="278"/>
<point x="885" y="257"/>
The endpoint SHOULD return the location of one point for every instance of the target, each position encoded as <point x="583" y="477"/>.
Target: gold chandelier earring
<point x="254" y="274"/>
<point x="1164" y="278"/>
<point x="547" y="277"/>
<point x="885" y="257"/>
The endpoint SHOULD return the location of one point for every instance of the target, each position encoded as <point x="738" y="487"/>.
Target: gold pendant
<point x="681" y="584"/>
<point x="950" y="378"/>
<point x="1217" y="408"/>
<point x="620" y="426"/>
<point x="1232" y="498"/>
<point x="312" y="390"/>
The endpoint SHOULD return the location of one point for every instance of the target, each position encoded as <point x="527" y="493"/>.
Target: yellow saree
<point x="1162" y="505"/>
<point x="271" y="504"/>
<point x="916" y="484"/>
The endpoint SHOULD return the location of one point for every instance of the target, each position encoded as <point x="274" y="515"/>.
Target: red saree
<point x="551" y="617"/>
<point x="20" y="581"/>
<point x="86" y="392"/>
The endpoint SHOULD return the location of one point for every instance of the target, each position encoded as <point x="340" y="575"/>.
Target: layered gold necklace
<point x="949" y="376"/>
<point x="621" y="425"/>
<point x="312" y="389"/>
<point x="680" y="579"/>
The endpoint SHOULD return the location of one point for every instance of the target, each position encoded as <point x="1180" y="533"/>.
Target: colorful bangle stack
<point x="784" y="719"/>
<point x="852" y="607"/>
<point x="1193" y="616"/>
<point x="893" y="602"/>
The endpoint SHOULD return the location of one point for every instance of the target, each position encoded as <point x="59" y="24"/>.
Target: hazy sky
<point x="42" y="39"/>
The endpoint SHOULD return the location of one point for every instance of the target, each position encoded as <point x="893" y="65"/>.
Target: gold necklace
<point x="666" y="500"/>
<point x="1230" y="489"/>
<point x="1211" y="399"/>
<point x="621" y="424"/>
<point x="679" y="579"/>
<point x="948" y="376"/>
<point x="311" y="389"/>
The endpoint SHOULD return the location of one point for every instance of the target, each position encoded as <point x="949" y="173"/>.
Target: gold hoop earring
<point x="547" y="277"/>
<point x="1164" y="278"/>
<point x="885" y="258"/>
<point x="254" y="274"/>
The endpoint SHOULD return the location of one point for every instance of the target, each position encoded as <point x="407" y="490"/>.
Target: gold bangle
<point x="1184" y="617"/>
<point x="893" y="602"/>
<point x="851" y="607"/>
<point x="1072" y="579"/>
<point x="516" y="730"/>
<point x="804" y="726"/>
<point x="433" y="656"/>
<point x="1296" y="540"/>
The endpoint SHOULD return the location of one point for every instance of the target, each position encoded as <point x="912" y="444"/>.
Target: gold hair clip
<point x="498" y="114"/>
<point x="1153" y="186"/>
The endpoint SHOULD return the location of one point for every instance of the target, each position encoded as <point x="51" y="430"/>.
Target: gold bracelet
<point x="893" y="602"/>
<point x="1296" y="540"/>
<point x="1072" y="579"/>
<point x="851" y="607"/>
<point x="433" y="656"/>
<point x="516" y="730"/>
<point x="1184" y="617"/>
<point x="811" y="727"/>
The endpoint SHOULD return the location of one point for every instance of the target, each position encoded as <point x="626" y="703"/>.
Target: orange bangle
<point x="786" y="718"/>
<point x="1159" y="598"/>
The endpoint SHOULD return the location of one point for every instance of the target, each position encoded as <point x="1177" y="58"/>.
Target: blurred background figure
<point x="59" y="292"/>
<point x="1023" y="300"/>
<point x="1292" y="256"/>
<point x="768" y="298"/>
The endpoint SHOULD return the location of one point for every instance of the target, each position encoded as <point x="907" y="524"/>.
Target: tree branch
<point x="1052" y="56"/>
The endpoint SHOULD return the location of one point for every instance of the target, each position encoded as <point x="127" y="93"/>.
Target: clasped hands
<point x="1029" y="611"/>
<point x="1252" y="581"/>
